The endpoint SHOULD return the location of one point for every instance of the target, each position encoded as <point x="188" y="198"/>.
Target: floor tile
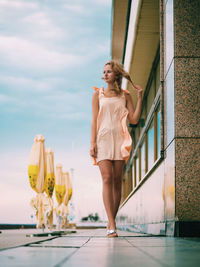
<point x="174" y="256"/>
<point x="112" y="257"/>
<point x="32" y="257"/>
<point x="63" y="242"/>
<point x="107" y="242"/>
<point x="161" y="242"/>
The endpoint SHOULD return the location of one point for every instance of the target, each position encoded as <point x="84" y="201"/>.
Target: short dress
<point x="113" y="139"/>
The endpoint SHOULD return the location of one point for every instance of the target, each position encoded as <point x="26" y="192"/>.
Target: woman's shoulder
<point x="96" y="91"/>
<point x="126" y="93"/>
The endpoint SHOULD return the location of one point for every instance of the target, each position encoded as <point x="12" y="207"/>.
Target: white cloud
<point x="45" y="100"/>
<point x="64" y="106"/>
<point x="26" y="84"/>
<point x="104" y="2"/>
<point x="11" y="105"/>
<point x="6" y="99"/>
<point x="26" y="55"/>
<point x="92" y="3"/>
<point x="72" y="116"/>
<point x="17" y="4"/>
<point x="42" y="27"/>
<point x="76" y="8"/>
<point x="103" y="48"/>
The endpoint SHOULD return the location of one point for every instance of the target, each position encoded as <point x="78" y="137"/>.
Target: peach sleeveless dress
<point x="113" y="139"/>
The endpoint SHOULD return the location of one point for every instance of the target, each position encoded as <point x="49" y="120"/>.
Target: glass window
<point x="150" y="136"/>
<point x="143" y="114"/>
<point x="137" y="134"/>
<point x="133" y="139"/>
<point x="158" y="132"/>
<point x="142" y="159"/>
<point x="130" y="181"/>
<point x="150" y="97"/>
<point x="158" y="76"/>
<point x="137" y="178"/>
<point x="142" y="118"/>
<point x="133" y="174"/>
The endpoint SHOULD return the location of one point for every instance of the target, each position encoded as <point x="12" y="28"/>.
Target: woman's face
<point x="108" y="74"/>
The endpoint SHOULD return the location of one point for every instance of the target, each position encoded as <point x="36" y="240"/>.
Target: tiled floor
<point x="92" y="248"/>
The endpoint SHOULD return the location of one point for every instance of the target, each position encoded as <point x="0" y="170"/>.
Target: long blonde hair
<point x="119" y="72"/>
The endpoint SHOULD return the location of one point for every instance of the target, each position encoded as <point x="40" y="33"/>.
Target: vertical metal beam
<point x="126" y="31"/>
<point x="155" y="135"/>
<point x="139" y="158"/>
<point x="135" y="172"/>
<point x="146" y="153"/>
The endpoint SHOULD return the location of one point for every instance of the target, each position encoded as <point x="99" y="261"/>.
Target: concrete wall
<point x="144" y="211"/>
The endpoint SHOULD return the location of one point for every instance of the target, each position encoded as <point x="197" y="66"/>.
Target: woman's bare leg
<point x="118" y="166"/>
<point x="106" y="169"/>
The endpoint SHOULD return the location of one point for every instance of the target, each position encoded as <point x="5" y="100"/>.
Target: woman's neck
<point x="110" y="86"/>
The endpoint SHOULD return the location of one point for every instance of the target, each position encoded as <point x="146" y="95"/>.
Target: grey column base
<point x="149" y="228"/>
<point x="187" y="229"/>
<point x="169" y="228"/>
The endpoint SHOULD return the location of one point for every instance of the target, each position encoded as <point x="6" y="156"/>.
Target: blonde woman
<point x="110" y="139"/>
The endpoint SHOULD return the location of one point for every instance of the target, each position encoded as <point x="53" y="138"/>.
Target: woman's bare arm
<point x="134" y="115"/>
<point x="95" y="110"/>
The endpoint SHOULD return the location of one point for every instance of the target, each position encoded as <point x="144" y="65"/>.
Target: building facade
<point x="158" y="43"/>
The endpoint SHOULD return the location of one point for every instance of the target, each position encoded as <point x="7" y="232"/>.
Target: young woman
<point x="110" y="139"/>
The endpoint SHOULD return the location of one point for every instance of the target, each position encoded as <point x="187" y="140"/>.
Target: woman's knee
<point x="107" y="178"/>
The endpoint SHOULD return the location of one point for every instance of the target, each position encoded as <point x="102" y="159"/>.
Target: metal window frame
<point x="145" y="128"/>
<point x="137" y="151"/>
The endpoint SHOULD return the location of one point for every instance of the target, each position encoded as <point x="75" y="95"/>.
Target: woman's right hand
<point x="93" y="150"/>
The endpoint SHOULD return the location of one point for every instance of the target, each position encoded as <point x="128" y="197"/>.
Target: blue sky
<point x="51" y="54"/>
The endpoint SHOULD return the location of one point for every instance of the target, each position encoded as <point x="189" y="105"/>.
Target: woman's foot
<point x="108" y="228"/>
<point x="111" y="230"/>
<point x="112" y="233"/>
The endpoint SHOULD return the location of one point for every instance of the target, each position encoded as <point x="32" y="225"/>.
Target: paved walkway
<point x="92" y="249"/>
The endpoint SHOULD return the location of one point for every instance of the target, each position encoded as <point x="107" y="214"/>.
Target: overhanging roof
<point x="118" y="28"/>
<point x="145" y="43"/>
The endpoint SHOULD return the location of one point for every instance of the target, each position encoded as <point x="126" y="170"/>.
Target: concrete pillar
<point x="182" y="124"/>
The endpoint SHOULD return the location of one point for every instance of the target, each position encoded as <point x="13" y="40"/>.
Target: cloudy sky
<point x="51" y="54"/>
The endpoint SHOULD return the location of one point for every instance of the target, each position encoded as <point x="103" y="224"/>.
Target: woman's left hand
<point x="139" y="90"/>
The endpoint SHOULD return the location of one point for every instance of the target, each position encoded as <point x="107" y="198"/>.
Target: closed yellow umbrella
<point x="36" y="166"/>
<point x="60" y="193"/>
<point x="60" y="185"/>
<point x="50" y="175"/>
<point x="48" y="207"/>
<point x="68" y="185"/>
<point x="67" y="197"/>
<point x="49" y="187"/>
<point x="37" y="173"/>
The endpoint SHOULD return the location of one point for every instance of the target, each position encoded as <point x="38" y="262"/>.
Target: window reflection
<point x="158" y="132"/>
<point x="142" y="159"/>
<point x="151" y="145"/>
<point x="158" y="76"/>
<point x="133" y="174"/>
<point x="137" y="170"/>
<point x="137" y="134"/>
<point x="151" y="96"/>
